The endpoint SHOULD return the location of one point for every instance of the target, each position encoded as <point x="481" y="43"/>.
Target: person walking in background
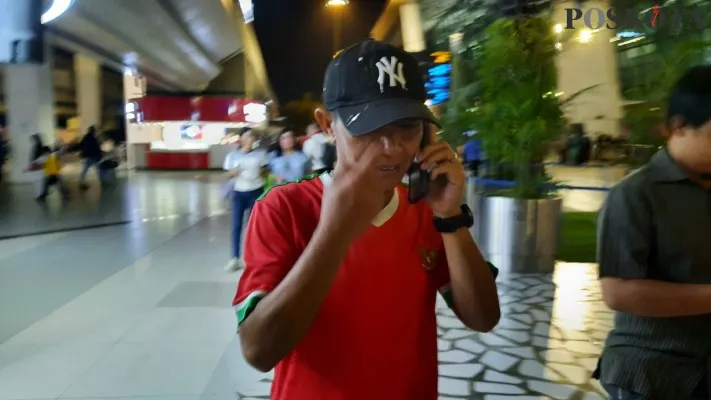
<point x="247" y="167"/>
<point x="655" y="260"/>
<point x="90" y="152"/>
<point x="35" y="166"/>
<point x="315" y="149"/>
<point x="473" y="153"/>
<point x="52" y="173"/>
<point x="289" y="163"/>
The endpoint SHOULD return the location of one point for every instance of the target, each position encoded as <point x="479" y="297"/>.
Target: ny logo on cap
<point x="394" y="69"/>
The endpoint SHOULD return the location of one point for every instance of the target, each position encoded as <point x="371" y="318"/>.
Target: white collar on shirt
<point x="384" y="215"/>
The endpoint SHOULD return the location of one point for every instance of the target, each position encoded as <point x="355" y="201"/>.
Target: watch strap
<point x="450" y="225"/>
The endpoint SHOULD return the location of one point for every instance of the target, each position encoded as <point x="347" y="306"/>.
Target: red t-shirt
<point x="376" y="331"/>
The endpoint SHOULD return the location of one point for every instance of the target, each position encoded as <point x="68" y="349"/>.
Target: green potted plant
<point x="459" y="115"/>
<point x="519" y="116"/>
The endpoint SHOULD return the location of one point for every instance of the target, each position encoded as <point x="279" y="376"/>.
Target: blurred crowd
<point x="44" y="162"/>
<point x="262" y="162"/>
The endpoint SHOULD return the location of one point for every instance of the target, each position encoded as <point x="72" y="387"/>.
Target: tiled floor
<point x="142" y="311"/>
<point x="142" y="196"/>
<point x="545" y="346"/>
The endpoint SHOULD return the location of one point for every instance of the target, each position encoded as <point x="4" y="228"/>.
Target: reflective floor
<point x="142" y="311"/>
<point x="144" y="195"/>
<point x="545" y="347"/>
<point x="599" y="177"/>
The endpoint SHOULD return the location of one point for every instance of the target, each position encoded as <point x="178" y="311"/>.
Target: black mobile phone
<point x="418" y="179"/>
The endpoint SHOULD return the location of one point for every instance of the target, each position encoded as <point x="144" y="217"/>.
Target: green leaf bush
<point x="519" y="114"/>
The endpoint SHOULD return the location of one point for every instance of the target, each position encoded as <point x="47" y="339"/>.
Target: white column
<point x="29" y="99"/>
<point x="588" y="58"/>
<point x="87" y="77"/>
<point x="413" y="36"/>
<point x="134" y="87"/>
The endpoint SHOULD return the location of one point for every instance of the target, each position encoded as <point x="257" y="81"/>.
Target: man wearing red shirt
<point x="342" y="270"/>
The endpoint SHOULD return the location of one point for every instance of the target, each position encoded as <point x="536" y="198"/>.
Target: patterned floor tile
<point x="545" y="347"/>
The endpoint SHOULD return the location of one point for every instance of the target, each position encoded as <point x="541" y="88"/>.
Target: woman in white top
<point x="247" y="167"/>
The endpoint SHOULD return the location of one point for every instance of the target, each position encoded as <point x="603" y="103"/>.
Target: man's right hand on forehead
<point x="356" y="195"/>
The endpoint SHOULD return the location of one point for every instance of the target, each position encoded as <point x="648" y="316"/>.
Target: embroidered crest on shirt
<point x="428" y="258"/>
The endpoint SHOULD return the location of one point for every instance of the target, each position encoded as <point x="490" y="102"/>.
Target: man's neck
<point x="704" y="181"/>
<point x="388" y="197"/>
<point x="700" y="178"/>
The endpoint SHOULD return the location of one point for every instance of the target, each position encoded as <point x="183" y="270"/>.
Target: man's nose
<point x="391" y="144"/>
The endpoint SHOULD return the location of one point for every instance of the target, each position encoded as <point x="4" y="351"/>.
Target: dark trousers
<point x="87" y="164"/>
<point x="53" y="180"/>
<point x="242" y="203"/>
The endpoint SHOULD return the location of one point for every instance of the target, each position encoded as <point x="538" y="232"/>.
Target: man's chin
<point x="391" y="182"/>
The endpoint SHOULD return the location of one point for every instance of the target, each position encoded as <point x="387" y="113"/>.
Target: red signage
<point x="202" y="108"/>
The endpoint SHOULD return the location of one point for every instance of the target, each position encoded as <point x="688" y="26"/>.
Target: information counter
<point x="190" y="132"/>
<point x="152" y="157"/>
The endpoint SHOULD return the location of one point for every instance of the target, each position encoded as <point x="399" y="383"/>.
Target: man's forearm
<point x="473" y="288"/>
<point x="651" y="298"/>
<point x="283" y="317"/>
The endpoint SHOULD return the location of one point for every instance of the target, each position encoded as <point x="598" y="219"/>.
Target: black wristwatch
<point x="449" y="225"/>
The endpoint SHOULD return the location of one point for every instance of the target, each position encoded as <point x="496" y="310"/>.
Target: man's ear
<point x="324" y="119"/>
<point x="676" y="125"/>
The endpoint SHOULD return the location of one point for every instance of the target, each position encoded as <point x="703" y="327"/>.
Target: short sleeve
<point x="227" y="165"/>
<point x="306" y="147"/>
<point x="268" y="256"/>
<point x="624" y="235"/>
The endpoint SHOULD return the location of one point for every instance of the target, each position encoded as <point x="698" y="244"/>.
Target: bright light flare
<point x="336" y="3"/>
<point x="585" y="36"/>
<point x="55" y="10"/>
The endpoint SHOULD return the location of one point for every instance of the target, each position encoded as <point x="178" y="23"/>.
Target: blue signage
<point x="629" y="34"/>
<point x="439" y="83"/>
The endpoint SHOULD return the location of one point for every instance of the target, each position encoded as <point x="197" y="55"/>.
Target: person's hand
<point x="234" y="172"/>
<point x="279" y="179"/>
<point x="32" y="167"/>
<point x="356" y="195"/>
<point x="448" y="177"/>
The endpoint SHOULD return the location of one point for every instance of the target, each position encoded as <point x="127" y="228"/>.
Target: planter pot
<point x="517" y="236"/>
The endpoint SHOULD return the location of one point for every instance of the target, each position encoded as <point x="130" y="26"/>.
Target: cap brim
<point x="363" y="119"/>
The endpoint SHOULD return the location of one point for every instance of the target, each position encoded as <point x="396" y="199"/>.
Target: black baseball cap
<point x="372" y="84"/>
